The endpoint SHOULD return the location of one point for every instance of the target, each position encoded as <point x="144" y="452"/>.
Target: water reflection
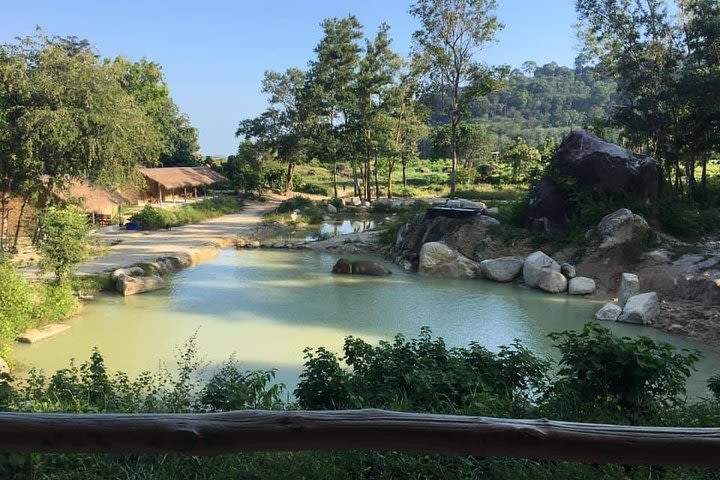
<point x="266" y="306"/>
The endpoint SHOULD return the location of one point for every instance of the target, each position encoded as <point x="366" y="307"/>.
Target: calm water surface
<point x="265" y="306"/>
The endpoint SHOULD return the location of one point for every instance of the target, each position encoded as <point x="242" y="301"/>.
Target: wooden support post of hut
<point x="165" y="181"/>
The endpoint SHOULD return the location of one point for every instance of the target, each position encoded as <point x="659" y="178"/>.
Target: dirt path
<point x="130" y="248"/>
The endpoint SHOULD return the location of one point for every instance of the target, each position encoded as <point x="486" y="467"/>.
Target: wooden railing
<point x="378" y="430"/>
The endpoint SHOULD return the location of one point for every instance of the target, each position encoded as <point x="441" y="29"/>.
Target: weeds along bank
<point x="155" y="218"/>
<point x="598" y="377"/>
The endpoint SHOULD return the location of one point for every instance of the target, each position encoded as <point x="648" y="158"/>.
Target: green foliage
<point x="64" y="241"/>
<point x="420" y="374"/>
<point x="600" y="371"/>
<point x="56" y="302"/>
<point x="155" y="218"/>
<point x="232" y="389"/>
<point x="16" y="306"/>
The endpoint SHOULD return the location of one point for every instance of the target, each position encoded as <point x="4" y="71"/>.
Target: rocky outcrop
<point x="486" y="220"/>
<point x="642" y="309"/>
<point x="609" y="313"/>
<point x="503" y="269"/>
<point x="590" y="164"/>
<point x="128" y="285"/>
<point x="629" y="287"/>
<point x="581" y="286"/>
<point x="332" y="208"/>
<point x="130" y="271"/>
<point x="440" y="260"/>
<point x="620" y="227"/>
<point x="535" y="267"/>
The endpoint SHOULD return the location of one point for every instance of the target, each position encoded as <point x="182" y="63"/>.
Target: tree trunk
<point x="19" y="221"/>
<point x="4" y="200"/>
<point x="356" y="183"/>
<point x="377" y="183"/>
<point x="453" y="132"/>
<point x="404" y="176"/>
<point x="703" y="178"/>
<point x="289" y="178"/>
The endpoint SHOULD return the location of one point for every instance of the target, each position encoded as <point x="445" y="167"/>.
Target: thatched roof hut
<point x="167" y="181"/>
<point x="90" y="198"/>
<point x="182" y="177"/>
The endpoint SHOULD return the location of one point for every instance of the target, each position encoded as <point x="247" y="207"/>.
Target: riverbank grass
<point x="155" y="218"/>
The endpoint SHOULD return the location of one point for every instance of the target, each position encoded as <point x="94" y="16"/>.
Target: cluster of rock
<point x="133" y="280"/>
<point x="538" y="269"/>
<point x="632" y="306"/>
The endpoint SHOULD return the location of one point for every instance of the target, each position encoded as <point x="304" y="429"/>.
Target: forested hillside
<point x="538" y="101"/>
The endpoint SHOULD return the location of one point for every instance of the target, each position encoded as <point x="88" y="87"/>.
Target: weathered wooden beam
<point x="248" y="431"/>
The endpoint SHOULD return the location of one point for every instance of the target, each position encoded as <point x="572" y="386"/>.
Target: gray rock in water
<point x="503" y="269"/>
<point x="552" y="281"/>
<point x="133" y="285"/>
<point x="568" y="270"/>
<point x="331" y="208"/>
<point x="438" y="259"/>
<point x="536" y="264"/>
<point x="581" y="286"/>
<point x="642" y="309"/>
<point x="621" y="226"/>
<point x="486" y="220"/>
<point x="609" y="312"/>
<point x="629" y="287"/>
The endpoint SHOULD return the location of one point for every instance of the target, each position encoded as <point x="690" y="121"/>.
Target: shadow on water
<point x="265" y="306"/>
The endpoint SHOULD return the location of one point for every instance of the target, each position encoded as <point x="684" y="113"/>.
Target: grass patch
<point x="154" y="218"/>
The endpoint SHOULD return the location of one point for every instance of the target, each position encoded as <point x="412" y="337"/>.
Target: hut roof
<point x="90" y="198"/>
<point x="178" y="177"/>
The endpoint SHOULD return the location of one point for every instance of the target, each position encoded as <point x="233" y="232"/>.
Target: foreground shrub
<point x="64" y="241"/>
<point x="16" y="306"/>
<point x="600" y="371"/>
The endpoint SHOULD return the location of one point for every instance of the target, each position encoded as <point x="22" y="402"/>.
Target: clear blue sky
<point x="214" y="52"/>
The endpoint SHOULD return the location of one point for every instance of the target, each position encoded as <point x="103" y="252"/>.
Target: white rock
<point x="486" y="220"/>
<point x="355" y="201"/>
<point x="609" y="312"/>
<point x="620" y="227"/>
<point x="503" y="269"/>
<point x="581" y="286"/>
<point x="461" y="203"/>
<point x="629" y="287"/>
<point x="131" y="271"/>
<point x="535" y="266"/>
<point x="438" y="259"/>
<point x="492" y="211"/>
<point x="568" y="270"/>
<point x="552" y="281"/>
<point x="4" y="368"/>
<point x="331" y="208"/>
<point x="642" y="309"/>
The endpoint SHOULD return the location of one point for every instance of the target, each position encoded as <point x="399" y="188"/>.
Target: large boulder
<point x="130" y="271"/>
<point x="552" y="281"/>
<point x="629" y="287"/>
<point x="535" y="266"/>
<point x="128" y="285"/>
<point x="642" y="309"/>
<point x="503" y="269"/>
<point x="590" y="164"/>
<point x="332" y="208"/>
<point x="609" y="312"/>
<point x="438" y="259"/>
<point x="581" y="286"/>
<point x="568" y="270"/>
<point x="621" y="226"/>
<point x="360" y="267"/>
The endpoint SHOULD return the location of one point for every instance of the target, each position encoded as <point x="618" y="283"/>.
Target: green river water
<point x="265" y="306"/>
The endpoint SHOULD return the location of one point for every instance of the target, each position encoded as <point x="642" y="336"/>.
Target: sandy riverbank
<point x="189" y="244"/>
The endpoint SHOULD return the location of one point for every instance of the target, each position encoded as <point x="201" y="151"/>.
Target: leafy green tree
<point x="329" y="87"/>
<point x="64" y="243"/>
<point x="452" y="33"/>
<point x="373" y="83"/>
<point x="145" y="81"/>
<point x="520" y="156"/>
